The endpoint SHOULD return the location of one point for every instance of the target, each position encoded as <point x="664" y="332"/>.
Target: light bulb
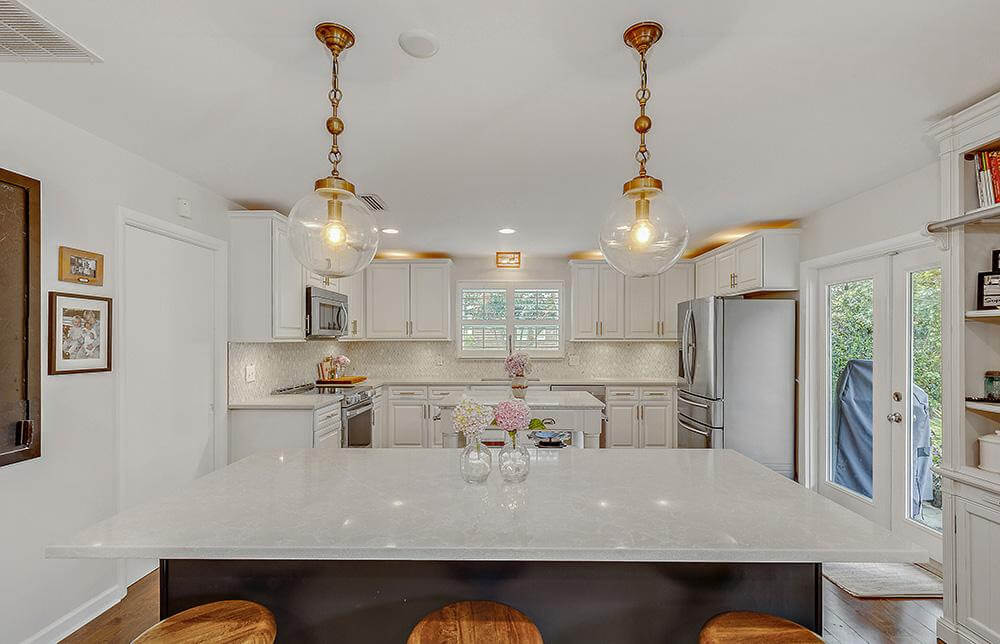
<point x="641" y="233"/>
<point x="335" y="234"/>
<point x="646" y="231"/>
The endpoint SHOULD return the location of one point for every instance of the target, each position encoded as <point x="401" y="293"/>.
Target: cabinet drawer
<point x="408" y="393"/>
<point x="437" y="393"/>
<point x="329" y="439"/>
<point x="324" y="415"/>
<point x="657" y="393"/>
<point x="615" y="394"/>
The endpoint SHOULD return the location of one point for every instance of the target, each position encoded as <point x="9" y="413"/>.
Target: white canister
<point x="989" y="452"/>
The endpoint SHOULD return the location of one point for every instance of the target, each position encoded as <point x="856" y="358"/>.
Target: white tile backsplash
<point x="283" y="364"/>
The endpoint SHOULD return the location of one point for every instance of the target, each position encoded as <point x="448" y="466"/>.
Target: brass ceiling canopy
<point x="336" y="37"/>
<point x="643" y="35"/>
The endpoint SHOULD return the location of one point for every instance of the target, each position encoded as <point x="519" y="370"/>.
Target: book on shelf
<point x="988" y="177"/>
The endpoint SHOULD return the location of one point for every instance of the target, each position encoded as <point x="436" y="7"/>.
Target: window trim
<point x="510" y="321"/>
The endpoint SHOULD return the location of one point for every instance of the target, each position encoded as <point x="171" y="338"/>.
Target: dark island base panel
<point x="380" y="601"/>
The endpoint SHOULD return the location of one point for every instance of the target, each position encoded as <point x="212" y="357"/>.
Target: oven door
<point x="357" y="423"/>
<point x="693" y="435"/>
<point x="327" y="318"/>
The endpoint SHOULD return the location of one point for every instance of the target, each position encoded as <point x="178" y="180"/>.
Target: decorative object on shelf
<point x="991" y="386"/>
<point x="646" y="231"/>
<point x="988" y="291"/>
<point x="514" y="459"/>
<point x="79" y="333"/>
<point x="332" y="232"/>
<point x="81" y="266"/>
<point x="518" y="366"/>
<point x="332" y="368"/>
<point x="508" y="259"/>
<point x="471" y="418"/>
<point x="989" y="452"/>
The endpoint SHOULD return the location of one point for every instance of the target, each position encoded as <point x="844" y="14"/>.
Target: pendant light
<point x="646" y="231"/>
<point x="331" y="231"/>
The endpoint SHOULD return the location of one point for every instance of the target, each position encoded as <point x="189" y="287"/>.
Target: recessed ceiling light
<point x="506" y="231"/>
<point x="390" y="231"/>
<point x="418" y="43"/>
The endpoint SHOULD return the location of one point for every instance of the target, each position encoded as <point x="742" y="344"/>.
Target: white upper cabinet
<point x="267" y="284"/>
<point x="609" y="306"/>
<point x="767" y="260"/>
<point x="354" y="288"/>
<point x="408" y="300"/>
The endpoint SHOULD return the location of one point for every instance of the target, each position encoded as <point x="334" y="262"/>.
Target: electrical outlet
<point x="439" y="361"/>
<point x="250" y="372"/>
<point x="574" y="360"/>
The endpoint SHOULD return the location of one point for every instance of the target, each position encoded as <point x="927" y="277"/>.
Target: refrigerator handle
<point x="685" y="352"/>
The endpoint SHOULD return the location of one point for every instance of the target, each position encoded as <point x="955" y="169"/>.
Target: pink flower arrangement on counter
<point x="512" y="414"/>
<point x="518" y="365"/>
<point x="341" y="361"/>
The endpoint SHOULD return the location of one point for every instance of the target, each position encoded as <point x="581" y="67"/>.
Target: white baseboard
<point x="82" y="614"/>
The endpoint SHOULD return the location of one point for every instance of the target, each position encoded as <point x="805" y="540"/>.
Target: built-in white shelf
<point x="986" y="408"/>
<point x="985" y="214"/>
<point x="984" y="316"/>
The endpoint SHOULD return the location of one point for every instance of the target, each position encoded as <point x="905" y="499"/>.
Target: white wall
<point x="901" y="206"/>
<point x="84" y="180"/>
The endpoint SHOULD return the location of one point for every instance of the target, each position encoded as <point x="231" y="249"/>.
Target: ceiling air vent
<point x="373" y="202"/>
<point x="27" y="37"/>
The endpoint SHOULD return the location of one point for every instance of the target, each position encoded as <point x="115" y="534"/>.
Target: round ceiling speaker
<point x="418" y="43"/>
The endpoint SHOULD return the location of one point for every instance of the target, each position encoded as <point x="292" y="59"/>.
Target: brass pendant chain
<point x="333" y="124"/>
<point x="642" y="123"/>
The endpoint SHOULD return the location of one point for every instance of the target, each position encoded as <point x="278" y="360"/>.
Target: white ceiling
<point x="762" y="109"/>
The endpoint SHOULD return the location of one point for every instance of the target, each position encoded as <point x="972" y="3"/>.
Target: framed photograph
<point x="996" y="261"/>
<point x="80" y="266"/>
<point x="988" y="291"/>
<point x="508" y="259"/>
<point x="79" y="333"/>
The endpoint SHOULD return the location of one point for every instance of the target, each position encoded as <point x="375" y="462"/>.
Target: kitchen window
<point x="496" y="317"/>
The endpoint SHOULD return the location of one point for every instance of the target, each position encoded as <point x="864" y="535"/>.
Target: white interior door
<point x="167" y="416"/>
<point x="917" y="287"/>
<point x="852" y="376"/>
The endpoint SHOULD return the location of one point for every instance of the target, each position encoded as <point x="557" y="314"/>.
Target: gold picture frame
<point x="508" y="259"/>
<point x="81" y="266"/>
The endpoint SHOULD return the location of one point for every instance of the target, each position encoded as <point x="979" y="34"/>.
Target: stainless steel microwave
<point x="326" y="313"/>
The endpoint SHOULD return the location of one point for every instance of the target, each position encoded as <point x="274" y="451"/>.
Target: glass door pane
<point x="923" y="491"/>
<point x="850" y="324"/>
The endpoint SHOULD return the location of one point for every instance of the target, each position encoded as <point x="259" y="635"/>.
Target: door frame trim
<point x="220" y="255"/>
<point x="807" y="451"/>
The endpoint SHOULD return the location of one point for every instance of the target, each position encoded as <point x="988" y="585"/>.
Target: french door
<point x="879" y="373"/>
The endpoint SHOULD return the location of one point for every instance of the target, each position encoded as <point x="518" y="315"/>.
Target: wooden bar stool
<point x="476" y="622"/>
<point x="743" y="627"/>
<point x="218" y="622"/>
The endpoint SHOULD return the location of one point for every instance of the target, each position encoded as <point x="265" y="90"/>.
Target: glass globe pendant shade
<point x="645" y="233"/>
<point x="331" y="232"/>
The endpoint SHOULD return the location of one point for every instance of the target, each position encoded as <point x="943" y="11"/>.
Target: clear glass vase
<point x="515" y="460"/>
<point x="477" y="461"/>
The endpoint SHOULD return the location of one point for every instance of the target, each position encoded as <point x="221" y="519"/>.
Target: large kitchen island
<point x="356" y="545"/>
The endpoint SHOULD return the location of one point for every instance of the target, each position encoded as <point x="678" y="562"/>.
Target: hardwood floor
<point x="847" y="620"/>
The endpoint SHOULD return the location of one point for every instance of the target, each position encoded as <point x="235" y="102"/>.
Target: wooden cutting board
<point x="346" y="380"/>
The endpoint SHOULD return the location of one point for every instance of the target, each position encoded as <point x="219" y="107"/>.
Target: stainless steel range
<point x="356" y="410"/>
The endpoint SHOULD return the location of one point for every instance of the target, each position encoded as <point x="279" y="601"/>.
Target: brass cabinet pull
<point x="354" y="327"/>
<point x="597" y="327"/>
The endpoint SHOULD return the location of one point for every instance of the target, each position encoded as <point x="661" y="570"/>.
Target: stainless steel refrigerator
<point x="737" y="359"/>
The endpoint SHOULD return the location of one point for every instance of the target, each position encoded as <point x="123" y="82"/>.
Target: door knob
<point x="895" y="417"/>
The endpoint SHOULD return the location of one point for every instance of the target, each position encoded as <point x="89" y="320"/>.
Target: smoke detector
<point x="418" y="43"/>
<point x="27" y="37"/>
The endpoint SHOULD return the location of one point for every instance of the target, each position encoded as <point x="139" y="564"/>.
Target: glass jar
<point x="991" y="385"/>
<point x="476" y="462"/>
<point x="514" y="460"/>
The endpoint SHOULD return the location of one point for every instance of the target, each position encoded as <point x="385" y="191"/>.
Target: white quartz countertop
<point x="534" y="399"/>
<point x="576" y="505"/>
<point x="288" y="401"/>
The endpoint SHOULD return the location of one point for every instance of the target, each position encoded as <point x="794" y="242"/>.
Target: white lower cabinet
<point x="435" y="427"/>
<point x="253" y="430"/>
<point x="640" y="417"/>
<point x="977" y="545"/>
<point x="407" y="421"/>
<point x="623" y="425"/>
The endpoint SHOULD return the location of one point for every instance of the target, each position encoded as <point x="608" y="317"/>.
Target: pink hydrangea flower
<point x="517" y="365"/>
<point x="512" y="415"/>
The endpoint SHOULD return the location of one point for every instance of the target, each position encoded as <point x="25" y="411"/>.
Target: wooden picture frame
<point x="79" y="333"/>
<point x="988" y="291"/>
<point x="508" y="259"/>
<point x="81" y="266"/>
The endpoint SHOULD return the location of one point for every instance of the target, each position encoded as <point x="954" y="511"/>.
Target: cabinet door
<point x="378" y="425"/>
<point x="725" y="271"/>
<point x="611" y="302"/>
<point x="657" y="424"/>
<point x="329" y="439"/>
<point x="354" y="288"/>
<point x="387" y="300"/>
<point x="704" y="277"/>
<point x="622" y="425"/>
<point x="750" y="264"/>
<point x="288" y="295"/>
<point x="430" y="295"/>
<point x="585" y="300"/>
<point x="978" y="564"/>
<point x="406" y="424"/>
<point x="317" y="280"/>
<point x="642" y="307"/>
<point x="676" y="286"/>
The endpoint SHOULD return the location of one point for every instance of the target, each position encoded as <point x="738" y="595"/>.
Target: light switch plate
<point x="183" y="208"/>
<point x="574" y="360"/>
<point x="439" y="361"/>
<point x="250" y="372"/>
